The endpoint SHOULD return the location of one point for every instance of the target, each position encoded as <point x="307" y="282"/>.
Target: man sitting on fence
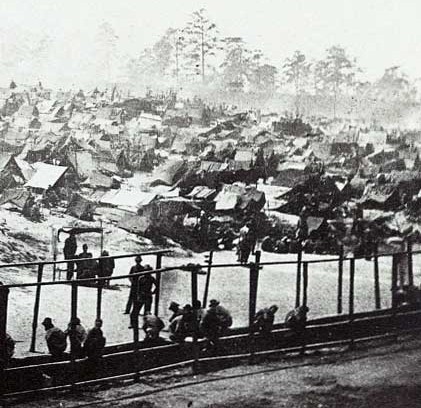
<point x="296" y="319"/>
<point x="264" y="318"/>
<point x="55" y="338"/>
<point x="77" y="336"/>
<point x="152" y="326"/>
<point x="95" y="342"/>
<point x="215" y="323"/>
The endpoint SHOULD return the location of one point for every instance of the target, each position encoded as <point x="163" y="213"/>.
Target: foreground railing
<point x="348" y="329"/>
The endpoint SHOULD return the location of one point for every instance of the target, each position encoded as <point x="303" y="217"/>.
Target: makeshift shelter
<point x="15" y="197"/>
<point x="47" y="175"/>
<point x="132" y="200"/>
<point x="135" y="224"/>
<point x="290" y="174"/>
<point x="98" y="180"/>
<point x="80" y="207"/>
<point x="202" y="193"/>
<point x="169" y="173"/>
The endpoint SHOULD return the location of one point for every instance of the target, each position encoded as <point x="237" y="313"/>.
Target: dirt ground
<point x="387" y="375"/>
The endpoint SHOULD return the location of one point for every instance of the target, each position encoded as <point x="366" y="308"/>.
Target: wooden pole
<point x="304" y="304"/>
<point x="36" y="309"/>
<point x="196" y="352"/>
<point x="298" y="279"/>
<point x="208" y="276"/>
<point x="394" y="280"/>
<point x="410" y="263"/>
<point x="253" y="285"/>
<point x="340" y="278"/>
<point x="102" y="237"/>
<point x="351" y="301"/>
<point x="99" y="301"/>
<point x="73" y="316"/>
<point x="305" y="283"/>
<point x="135" y="327"/>
<point x="376" y="278"/>
<point x="158" y="265"/>
<point x="4" y="297"/>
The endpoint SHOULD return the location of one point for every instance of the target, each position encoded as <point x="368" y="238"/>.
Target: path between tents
<point x="384" y="376"/>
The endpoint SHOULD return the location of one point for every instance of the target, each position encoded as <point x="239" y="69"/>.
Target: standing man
<point x="86" y="268"/>
<point x="144" y="291"/>
<point x="138" y="267"/>
<point x="69" y="251"/>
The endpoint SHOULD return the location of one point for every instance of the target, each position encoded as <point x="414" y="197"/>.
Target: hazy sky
<point x="380" y="33"/>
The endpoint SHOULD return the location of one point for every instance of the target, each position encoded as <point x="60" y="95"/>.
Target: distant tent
<point x="169" y="173"/>
<point x="80" y="207"/>
<point x="16" y="197"/>
<point x="46" y="175"/>
<point x="135" y="224"/>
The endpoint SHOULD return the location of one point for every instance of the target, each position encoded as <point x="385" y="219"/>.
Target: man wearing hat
<point x="143" y="294"/>
<point x="138" y="267"/>
<point x="55" y="338"/>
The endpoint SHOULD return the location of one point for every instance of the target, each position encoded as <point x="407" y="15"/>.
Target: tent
<point x="46" y="175"/>
<point x="80" y="207"/>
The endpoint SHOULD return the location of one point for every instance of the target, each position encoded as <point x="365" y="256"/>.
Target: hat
<point x="173" y="305"/>
<point x="46" y="321"/>
<point x="138" y="258"/>
<point x="213" y="302"/>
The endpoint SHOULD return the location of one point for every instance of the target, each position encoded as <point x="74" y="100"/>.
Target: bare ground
<point x="385" y="376"/>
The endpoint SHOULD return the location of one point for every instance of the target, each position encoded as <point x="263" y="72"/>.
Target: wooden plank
<point x="377" y="299"/>
<point x="4" y="296"/>
<point x="158" y="265"/>
<point x="36" y="309"/>
<point x="340" y="279"/>
<point x="351" y="300"/>
<point x="194" y="298"/>
<point x="209" y="261"/>
<point x="298" y="279"/>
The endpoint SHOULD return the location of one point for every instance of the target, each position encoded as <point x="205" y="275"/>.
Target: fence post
<point x="410" y="264"/>
<point x="351" y="301"/>
<point x="135" y="326"/>
<point x="99" y="300"/>
<point x="304" y="304"/>
<point x="158" y="265"/>
<point x="298" y="279"/>
<point x="209" y="261"/>
<point x="253" y="285"/>
<point x="195" y="367"/>
<point x="36" y="309"/>
<point x="4" y="297"/>
<point x="340" y="278"/>
<point x="376" y="278"/>
<point x="394" y="293"/>
<point x="73" y="316"/>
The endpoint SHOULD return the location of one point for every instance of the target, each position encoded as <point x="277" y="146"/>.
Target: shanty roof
<point x="46" y="175"/>
<point x="131" y="199"/>
<point x="201" y="192"/>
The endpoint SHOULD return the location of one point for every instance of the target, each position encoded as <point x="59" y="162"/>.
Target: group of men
<point x="82" y="343"/>
<point x="87" y="268"/>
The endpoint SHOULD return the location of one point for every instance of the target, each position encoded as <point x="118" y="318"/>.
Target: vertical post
<point x="36" y="309"/>
<point x="102" y="237"/>
<point x="340" y="278"/>
<point x="135" y="327"/>
<point x="158" y="265"/>
<point x="253" y="285"/>
<point x="195" y="366"/>
<point x="73" y="315"/>
<point x="410" y="264"/>
<point x="305" y="283"/>
<point x="376" y="278"/>
<point x="99" y="301"/>
<point x="395" y="261"/>
<point x="208" y="275"/>
<point x="394" y="280"/>
<point x="298" y="279"/>
<point x="4" y="297"/>
<point x="351" y="300"/>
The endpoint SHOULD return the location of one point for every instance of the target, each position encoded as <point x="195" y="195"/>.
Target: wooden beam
<point x="36" y="309"/>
